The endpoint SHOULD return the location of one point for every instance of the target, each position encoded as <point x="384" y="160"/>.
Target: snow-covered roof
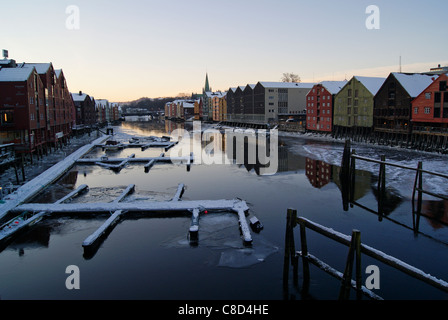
<point x="302" y="85"/>
<point x="414" y="83"/>
<point x="41" y="68"/>
<point x="15" y="74"/>
<point x="218" y="94"/>
<point x="373" y="84"/>
<point x="333" y="86"/>
<point x="58" y="72"/>
<point x="79" y="97"/>
<point x="101" y="102"/>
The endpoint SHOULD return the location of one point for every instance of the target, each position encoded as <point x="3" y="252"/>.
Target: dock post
<point x="194" y="227"/>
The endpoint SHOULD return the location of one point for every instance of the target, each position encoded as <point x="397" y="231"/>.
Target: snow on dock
<point x="235" y="205"/>
<point x="151" y="162"/>
<point x="106" y="226"/>
<point x="179" y="192"/>
<point x="27" y="219"/>
<point x="116" y="167"/>
<point x="173" y="206"/>
<point x="33" y="187"/>
<point x="136" y="160"/>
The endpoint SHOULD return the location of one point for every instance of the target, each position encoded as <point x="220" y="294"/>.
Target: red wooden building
<point x="430" y="108"/>
<point x="320" y="104"/>
<point x="22" y="107"/>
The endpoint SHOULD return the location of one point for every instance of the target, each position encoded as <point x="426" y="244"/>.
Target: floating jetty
<point x="27" y="219"/>
<point x="28" y="214"/>
<point x="168" y="208"/>
<point x="33" y="187"/>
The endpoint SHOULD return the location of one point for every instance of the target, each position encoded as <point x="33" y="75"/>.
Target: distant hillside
<point x="151" y="104"/>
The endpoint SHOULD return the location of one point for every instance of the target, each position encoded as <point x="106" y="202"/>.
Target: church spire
<point x="207" y="86"/>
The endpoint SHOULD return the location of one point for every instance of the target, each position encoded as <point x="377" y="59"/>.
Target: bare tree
<point x="290" y="77"/>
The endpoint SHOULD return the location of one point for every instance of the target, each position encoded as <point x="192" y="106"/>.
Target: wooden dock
<point x="32" y="213"/>
<point x="172" y="207"/>
<point x="33" y="187"/>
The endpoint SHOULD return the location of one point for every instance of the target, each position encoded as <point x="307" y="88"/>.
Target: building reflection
<point x="436" y="213"/>
<point x="319" y="173"/>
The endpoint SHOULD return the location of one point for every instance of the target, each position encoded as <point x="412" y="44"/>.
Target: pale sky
<point x="125" y="50"/>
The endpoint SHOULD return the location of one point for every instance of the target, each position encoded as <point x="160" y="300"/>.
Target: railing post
<point x="357" y="235"/>
<point x="420" y="187"/>
<point x="289" y="245"/>
<point x="355" y="247"/>
<point x="344" y="175"/>
<point x="306" y="266"/>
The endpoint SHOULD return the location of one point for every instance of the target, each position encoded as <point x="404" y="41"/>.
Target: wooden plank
<point x="133" y="160"/>
<point x="179" y="192"/>
<point x="73" y="194"/>
<point x="105" y="227"/>
<point x="33" y="187"/>
<point x="127" y="191"/>
<point x="236" y="205"/>
<point x="116" y="166"/>
<point x="15" y="225"/>
<point x="247" y="237"/>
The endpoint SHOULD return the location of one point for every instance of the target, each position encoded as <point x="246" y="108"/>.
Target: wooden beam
<point x="236" y="205"/>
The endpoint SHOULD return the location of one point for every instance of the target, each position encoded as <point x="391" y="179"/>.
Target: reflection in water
<point x="159" y="248"/>
<point x="436" y="212"/>
<point x="318" y="172"/>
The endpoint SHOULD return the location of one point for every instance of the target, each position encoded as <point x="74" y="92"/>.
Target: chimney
<point x="80" y="93"/>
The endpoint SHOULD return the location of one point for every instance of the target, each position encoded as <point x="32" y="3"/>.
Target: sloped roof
<point x="79" y="97"/>
<point x="333" y="86"/>
<point x="58" y="72"/>
<point x="41" y="68"/>
<point x="414" y="83"/>
<point x="373" y="84"/>
<point x="15" y="74"/>
<point x="302" y="85"/>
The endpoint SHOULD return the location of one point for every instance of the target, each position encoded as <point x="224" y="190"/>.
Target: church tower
<point x="207" y="85"/>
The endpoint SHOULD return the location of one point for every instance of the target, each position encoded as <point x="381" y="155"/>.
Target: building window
<point x="7" y="117"/>
<point x="349" y="92"/>
<point x="428" y="95"/>
<point x="427" y="110"/>
<point x="442" y="86"/>
<point x="416" y="110"/>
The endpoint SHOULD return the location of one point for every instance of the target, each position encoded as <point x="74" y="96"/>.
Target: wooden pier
<point x="117" y="209"/>
<point x="33" y="187"/>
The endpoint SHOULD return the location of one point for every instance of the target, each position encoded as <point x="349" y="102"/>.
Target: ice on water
<point x="219" y="232"/>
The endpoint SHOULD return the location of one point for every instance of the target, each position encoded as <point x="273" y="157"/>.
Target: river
<point x="151" y="257"/>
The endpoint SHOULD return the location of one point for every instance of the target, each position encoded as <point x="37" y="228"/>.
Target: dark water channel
<point x="150" y="257"/>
